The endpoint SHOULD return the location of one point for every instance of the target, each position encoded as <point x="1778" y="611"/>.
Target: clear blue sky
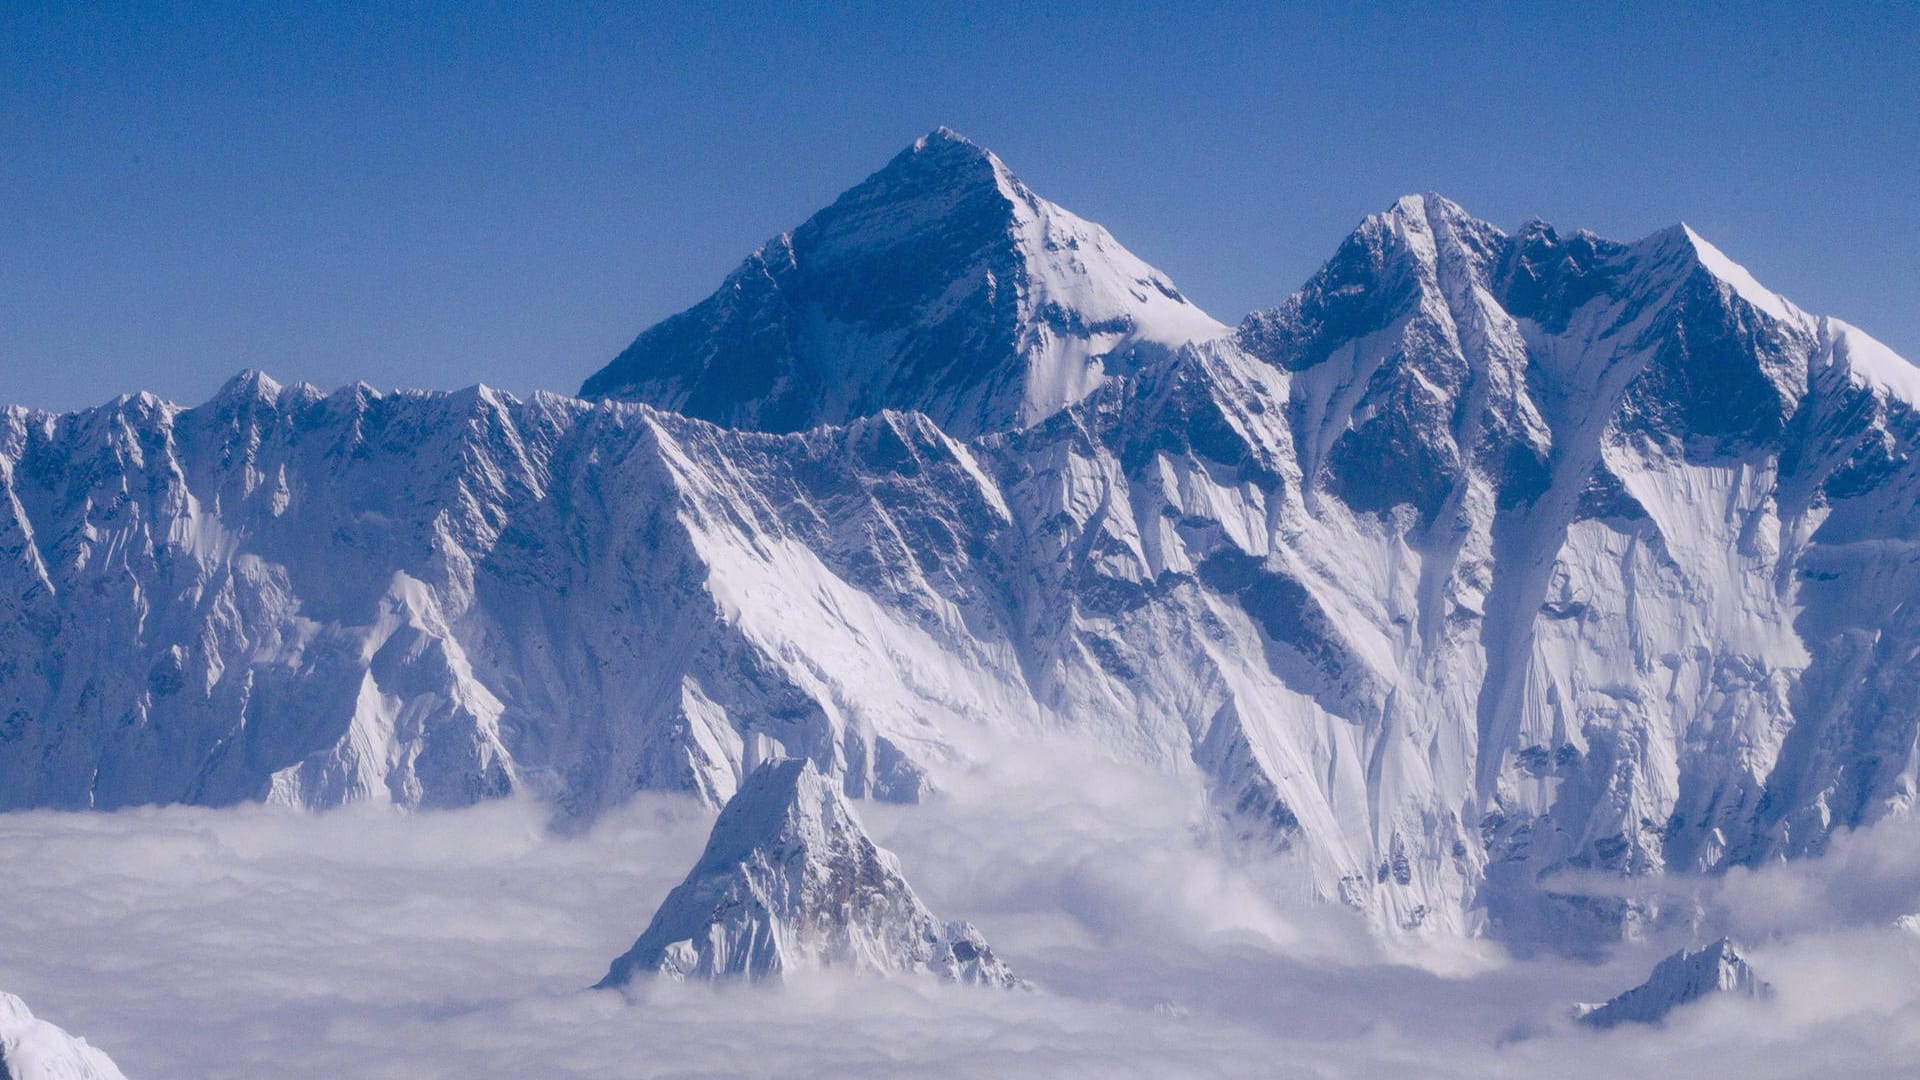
<point x="432" y="195"/>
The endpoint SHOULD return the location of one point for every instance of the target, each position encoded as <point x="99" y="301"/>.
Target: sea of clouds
<point x="253" y="942"/>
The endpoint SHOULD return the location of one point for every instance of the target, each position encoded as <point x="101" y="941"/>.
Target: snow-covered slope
<point x="32" y="1049"/>
<point x="1596" y="529"/>
<point x="790" y="881"/>
<point x="941" y="285"/>
<point x="1484" y="558"/>
<point x="433" y="599"/>
<point x="1685" y="977"/>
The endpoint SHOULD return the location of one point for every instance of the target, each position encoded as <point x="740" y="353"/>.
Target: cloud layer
<point x="251" y="942"/>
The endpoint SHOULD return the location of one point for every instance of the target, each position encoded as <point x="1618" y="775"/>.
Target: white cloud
<point x="252" y="943"/>
<point x="1865" y="878"/>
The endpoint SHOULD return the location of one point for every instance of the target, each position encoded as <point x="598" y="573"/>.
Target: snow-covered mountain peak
<point x="929" y="177"/>
<point x="1735" y="276"/>
<point x="942" y="134"/>
<point x="1422" y="256"/>
<point x="249" y="384"/>
<point x="790" y="881"/>
<point x="943" y="144"/>
<point x="940" y="284"/>
<point x="1428" y="224"/>
<point x="1682" y="978"/>
<point x="33" y="1049"/>
<point x="1424" y="283"/>
<point x="1869" y="362"/>
<point x="1429" y="208"/>
<point x="785" y="805"/>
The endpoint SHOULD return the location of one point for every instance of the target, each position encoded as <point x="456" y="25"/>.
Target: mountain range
<point x="1484" y="559"/>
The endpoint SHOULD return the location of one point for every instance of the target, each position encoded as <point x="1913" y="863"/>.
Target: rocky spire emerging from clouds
<point x="1681" y="979"/>
<point x="790" y="881"/>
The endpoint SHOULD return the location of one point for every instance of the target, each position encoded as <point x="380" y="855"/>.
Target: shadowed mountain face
<point x="940" y="285"/>
<point x="1483" y="558"/>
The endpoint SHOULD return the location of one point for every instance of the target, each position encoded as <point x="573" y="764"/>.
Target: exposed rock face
<point x="789" y="882"/>
<point x="941" y="285"/>
<point x="32" y="1049"/>
<point x="1685" y="977"/>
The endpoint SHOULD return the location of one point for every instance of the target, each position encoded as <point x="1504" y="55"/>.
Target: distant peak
<point x="944" y="136"/>
<point x="1428" y="205"/>
<point x="1410" y="205"/>
<point x="942" y="157"/>
<point x="249" y="384"/>
<point x="1680" y="979"/>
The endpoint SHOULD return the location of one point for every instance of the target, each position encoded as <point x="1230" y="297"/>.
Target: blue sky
<point x="437" y="195"/>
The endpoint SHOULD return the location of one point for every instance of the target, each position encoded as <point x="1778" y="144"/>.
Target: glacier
<point x="1485" y="562"/>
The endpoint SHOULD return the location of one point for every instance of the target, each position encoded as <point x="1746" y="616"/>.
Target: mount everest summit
<point x="941" y="285"/>
<point x="1483" y="559"/>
